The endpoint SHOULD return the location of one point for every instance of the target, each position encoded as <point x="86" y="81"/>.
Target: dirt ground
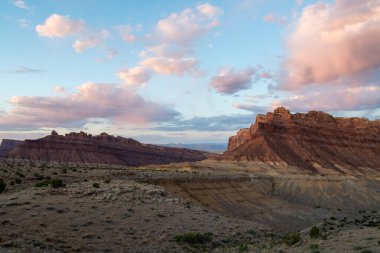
<point x="241" y="207"/>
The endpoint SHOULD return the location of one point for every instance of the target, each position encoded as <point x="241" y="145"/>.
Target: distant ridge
<point x="210" y="147"/>
<point x="101" y="149"/>
<point x="314" y="140"/>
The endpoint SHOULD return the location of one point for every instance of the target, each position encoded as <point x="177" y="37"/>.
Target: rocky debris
<point x="314" y="140"/>
<point x="83" y="148"/>
<point x="8" y="145"/>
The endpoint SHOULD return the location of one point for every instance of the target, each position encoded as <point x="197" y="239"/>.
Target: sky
<point x="182" y="71"/>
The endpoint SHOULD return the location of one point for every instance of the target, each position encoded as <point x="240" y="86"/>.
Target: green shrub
<point x="243" y="247"/>
<point x="56" y="183"/>
<point x="2" y="185"/>
<point x="41" y="184"/>
<point x="96" y="185"/>
<point x="315" y="232"/>
<point x="292" y="239"/>
<point x="18" y="180"/>
<point x="194" y="238"/>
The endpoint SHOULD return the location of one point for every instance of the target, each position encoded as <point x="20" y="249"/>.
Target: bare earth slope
<point x="82" y="148"/>
<point x="314" y="141"/>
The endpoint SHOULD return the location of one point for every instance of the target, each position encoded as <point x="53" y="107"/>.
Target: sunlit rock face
<point x="312" y="140"/>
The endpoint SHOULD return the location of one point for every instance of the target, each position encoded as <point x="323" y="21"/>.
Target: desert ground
<point x="207" y="206"/>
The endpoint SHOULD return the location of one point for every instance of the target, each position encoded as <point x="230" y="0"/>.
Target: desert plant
<point x="291" y="239"/>
<point x="315" y="232"/>
<point x="2" y="185"/>
<point x="41" y="184"/>
<point x="18" y="180"/>
<point x="95" y="185"/>
<point x="243" y="247"/>
<point x="56" y="183"/>
<point x="194" y="238"/>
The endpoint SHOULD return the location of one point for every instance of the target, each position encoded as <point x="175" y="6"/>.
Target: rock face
<point x="101" y="149"/>
<point x="314" y="140"/>
<point x="7" y="146"/>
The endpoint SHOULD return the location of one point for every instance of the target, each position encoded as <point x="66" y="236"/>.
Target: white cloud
<point x="20" y="4"/>
<point x="60" y="26"/>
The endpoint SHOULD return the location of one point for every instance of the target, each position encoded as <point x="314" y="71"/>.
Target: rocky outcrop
<point x="8" y="145"/>
<point x="314" y="140"/>
<point x="101" y="149"/>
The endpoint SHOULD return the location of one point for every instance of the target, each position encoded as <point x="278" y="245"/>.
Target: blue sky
<point x="182" y="71"/>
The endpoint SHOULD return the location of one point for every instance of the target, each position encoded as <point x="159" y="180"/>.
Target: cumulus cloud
<point x="60" y="26"/>
<point x="332" y="41"/>
<point x="90" y="40"/>
<point x="134" y="76"/>
<point x="126" y="33"/>
<point x="272" y="18"/>
<point x="230" y="81"/>
<point x="170" y="50"/>
<point x="185" y="27"/>
<point x="116" y="104"/>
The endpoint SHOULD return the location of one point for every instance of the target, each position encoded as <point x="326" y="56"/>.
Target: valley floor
<point x="208" y="206"/>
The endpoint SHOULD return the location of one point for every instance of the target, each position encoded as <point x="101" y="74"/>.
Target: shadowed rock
<point x="101" y="149"/>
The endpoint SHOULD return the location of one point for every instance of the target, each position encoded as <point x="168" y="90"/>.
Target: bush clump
<point x="292" y="239"/>
<point x="315" y="232"/>
<point x="194" y="238"/>
<point x="2" y="185"/>
<point x="56" y="183"/>
<point x="96" y="185"/>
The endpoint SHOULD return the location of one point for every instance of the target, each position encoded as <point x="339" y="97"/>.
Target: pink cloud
<point x="59" y="89"/>
<point x="272" y="18"/>
<point x="332" y="41"/>
<point x="60" y="26"/>
<point x="126" y="33"/>
<point x="90" y="40"/>
<point x="170" y="65"/>
<point x="183" y="28"/>
<point x="116" y="104"/>
<point x="338" y="98"/>
<point x="134" y="76"/>
<point x="230" y="81"/>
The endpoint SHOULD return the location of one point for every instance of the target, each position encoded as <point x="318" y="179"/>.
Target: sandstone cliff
<point x="100" y="149"/>
<point x="7" y="146"/>
<point x="314" y="140"/>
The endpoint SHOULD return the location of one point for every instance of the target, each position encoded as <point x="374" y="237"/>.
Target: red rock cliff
<point x="309" y="140"/>
<point x="101" y="149"/>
